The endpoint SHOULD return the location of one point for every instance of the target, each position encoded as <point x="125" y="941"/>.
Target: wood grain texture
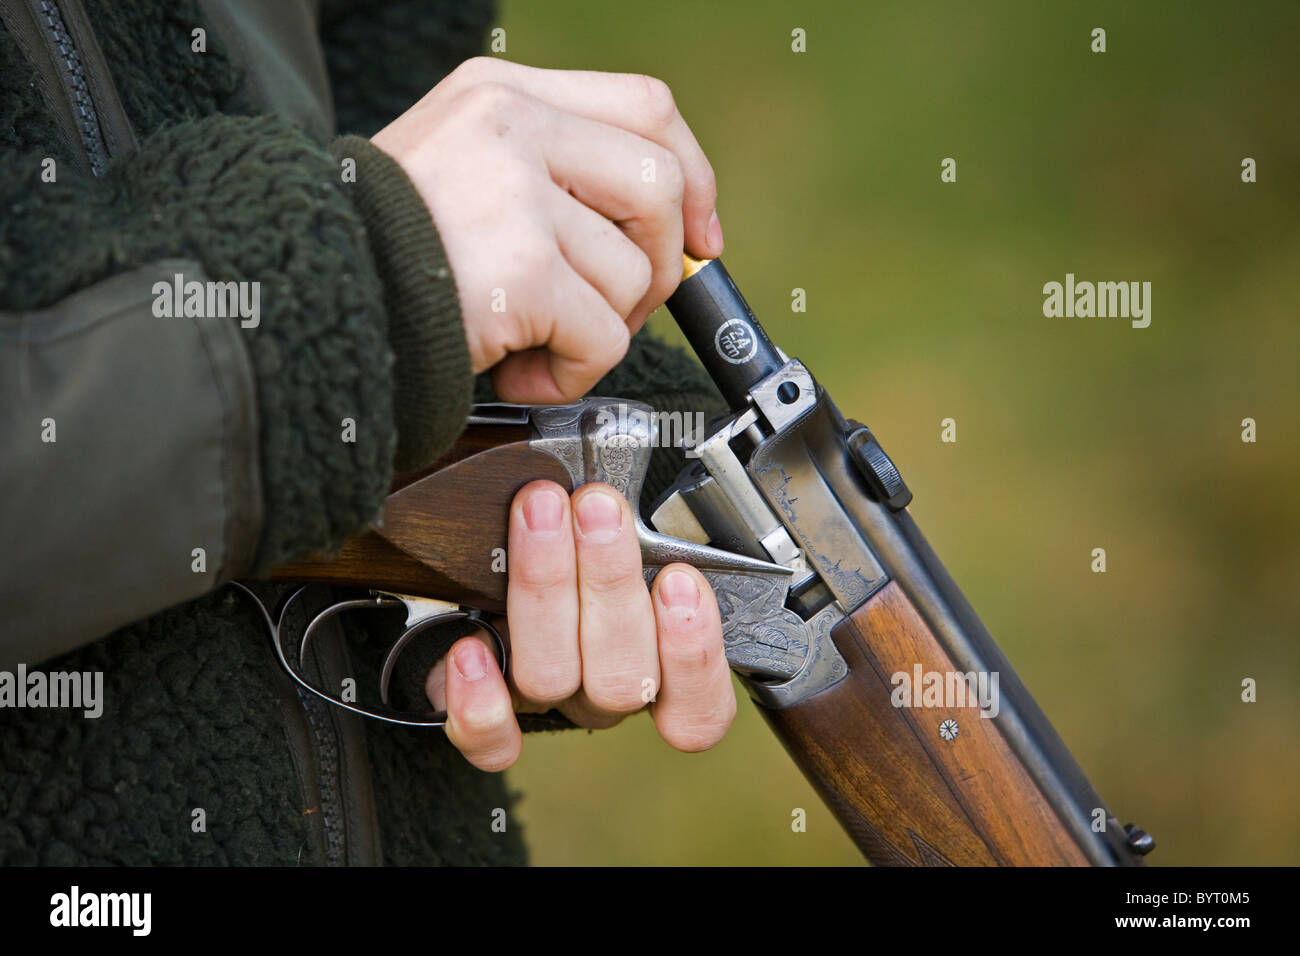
<point x="907" y="796"/>
<point x="439" y="530"/>
<point x="472" y="440"/>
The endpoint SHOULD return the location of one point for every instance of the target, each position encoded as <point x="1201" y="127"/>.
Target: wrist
<point x="431" y="366"/>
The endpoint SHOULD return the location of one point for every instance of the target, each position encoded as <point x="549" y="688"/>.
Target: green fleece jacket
<point x="149" y="456"/>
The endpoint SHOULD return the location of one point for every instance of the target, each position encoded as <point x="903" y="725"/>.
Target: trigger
<point x="420" y="609"/>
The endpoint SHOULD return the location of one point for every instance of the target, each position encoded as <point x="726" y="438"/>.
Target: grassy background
<point x="925" y="302"/>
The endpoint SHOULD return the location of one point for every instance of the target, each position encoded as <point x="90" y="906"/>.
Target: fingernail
<point x="599" y="516"/>
<point x="542" y="512"/>
<point x="471" y="660"/>
<point x="714" y="234"/>
<point x="679" y="591"/>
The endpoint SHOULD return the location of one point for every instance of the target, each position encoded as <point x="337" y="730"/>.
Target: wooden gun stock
<point x="440" y="525"/>
<point x="903" y="793"/>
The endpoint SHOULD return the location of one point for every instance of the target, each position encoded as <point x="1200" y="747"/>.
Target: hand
<point x="564" y="200"/>
<point x="586" y="636"/>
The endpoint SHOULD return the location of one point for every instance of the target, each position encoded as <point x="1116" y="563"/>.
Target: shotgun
<point x="842" y="624"/>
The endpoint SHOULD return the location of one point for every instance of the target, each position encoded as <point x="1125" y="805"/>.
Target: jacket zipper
<point x="328" y="774"/>
<point x="73" y="74"/>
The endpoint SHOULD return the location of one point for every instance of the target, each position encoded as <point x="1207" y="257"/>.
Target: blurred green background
<point x="925" y="302"/>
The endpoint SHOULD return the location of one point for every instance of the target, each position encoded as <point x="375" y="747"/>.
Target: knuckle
<point x="549" y="684"/>
<point x="707" y="187"/>
<point x="657" y="100"/>
<point x="671" y="178"/>
<point x="494" y="101"/>
<point x="591" y="720"/>
<point x="640" y="276"/>
<point x="533" y="262"/>
<point x="475" y="69"/>
<point x="610" y="581"/>
<point x="483" y="719"/>
<point x="607" y="341"/>
<point x="618" y="340"/>
<point x="610" y="575"/>
<point x="576" y="385"/>
<point x="614" y="694"/>
<point x="538" y="576"/>
<point x="666" y="278"/>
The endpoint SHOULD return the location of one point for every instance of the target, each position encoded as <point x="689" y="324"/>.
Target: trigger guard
<point x="394" y="652"/>
<point x="275" y="626"/>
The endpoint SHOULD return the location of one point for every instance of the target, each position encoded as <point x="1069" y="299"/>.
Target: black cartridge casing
<point x="723" y="332"/>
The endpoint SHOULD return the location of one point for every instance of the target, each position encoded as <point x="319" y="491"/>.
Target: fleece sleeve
<point x="197" y="373"/>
